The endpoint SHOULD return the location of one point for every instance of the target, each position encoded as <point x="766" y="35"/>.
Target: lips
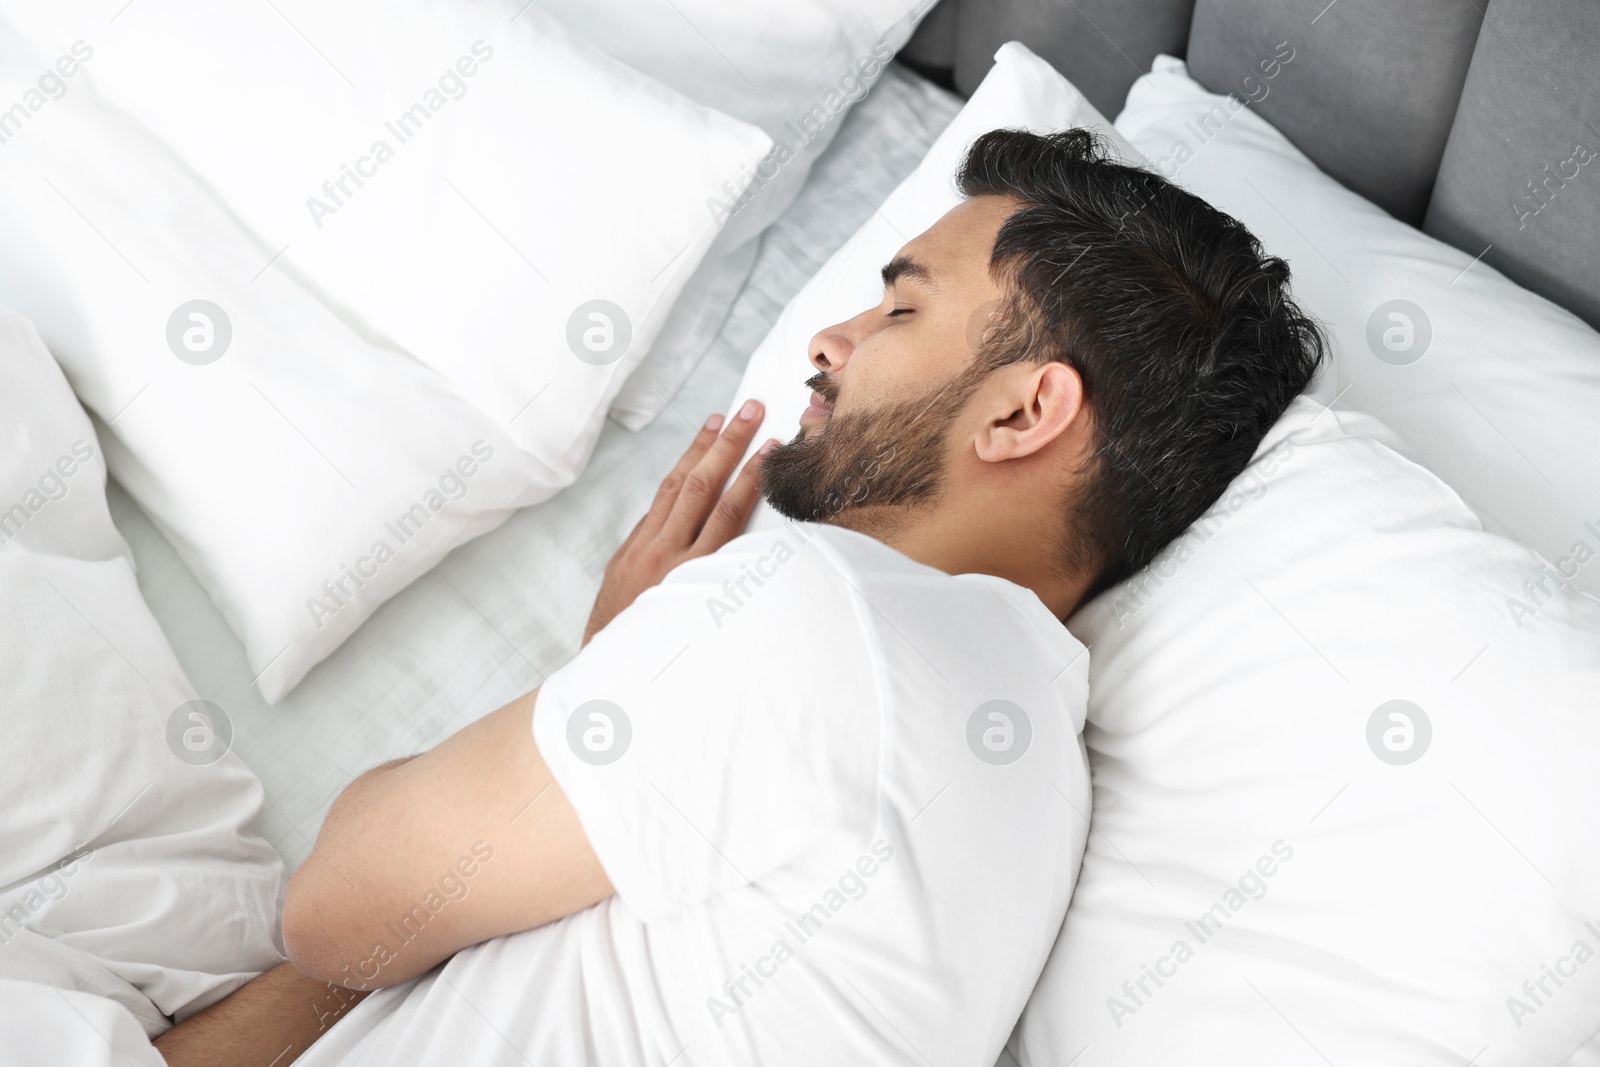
<point x="818" y="409"/>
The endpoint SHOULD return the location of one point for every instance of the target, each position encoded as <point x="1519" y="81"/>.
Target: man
<point x="816" y="795"/>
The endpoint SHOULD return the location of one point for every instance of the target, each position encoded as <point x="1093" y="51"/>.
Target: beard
<point x="890" y="457"/>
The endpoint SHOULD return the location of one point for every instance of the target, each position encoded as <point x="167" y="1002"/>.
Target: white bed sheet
<point x="503" y="612"/>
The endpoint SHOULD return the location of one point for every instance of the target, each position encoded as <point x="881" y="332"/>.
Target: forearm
<point x="267" y="1022"/>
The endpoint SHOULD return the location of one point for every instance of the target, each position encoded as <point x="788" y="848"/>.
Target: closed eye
<point x="901" y="311"/>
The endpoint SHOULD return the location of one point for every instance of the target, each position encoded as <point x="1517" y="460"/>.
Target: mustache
<point x="825" y="386"/>
<point x="962" y="382"/>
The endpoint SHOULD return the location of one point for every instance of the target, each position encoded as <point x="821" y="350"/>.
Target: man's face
<point x="893" y="381"/>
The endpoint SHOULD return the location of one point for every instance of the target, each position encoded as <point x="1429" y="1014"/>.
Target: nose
<point x="832" y="348"/>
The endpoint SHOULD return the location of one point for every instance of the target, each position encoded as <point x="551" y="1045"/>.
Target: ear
<point x="1032" y="405"/>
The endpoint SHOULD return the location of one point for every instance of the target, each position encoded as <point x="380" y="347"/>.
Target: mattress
<point x="503" y="612"/>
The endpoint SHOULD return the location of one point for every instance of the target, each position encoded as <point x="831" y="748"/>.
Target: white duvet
<point x="130" y="867"/>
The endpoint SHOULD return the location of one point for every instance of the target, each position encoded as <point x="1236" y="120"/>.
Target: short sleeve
<point x="726" y="725"/>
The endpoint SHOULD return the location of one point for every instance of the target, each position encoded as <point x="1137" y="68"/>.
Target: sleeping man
<point x="816" y="794"/>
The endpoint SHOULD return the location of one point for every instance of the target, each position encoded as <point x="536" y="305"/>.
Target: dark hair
<point x="1182" y="330"/>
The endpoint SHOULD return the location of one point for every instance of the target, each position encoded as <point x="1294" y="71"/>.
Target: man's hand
<point x="691" y="515"/>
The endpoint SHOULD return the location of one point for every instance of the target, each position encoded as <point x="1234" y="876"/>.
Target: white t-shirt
<point x="843" y="805"/>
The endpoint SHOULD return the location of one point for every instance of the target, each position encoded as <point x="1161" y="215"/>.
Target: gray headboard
<point x="1477" y="120"/>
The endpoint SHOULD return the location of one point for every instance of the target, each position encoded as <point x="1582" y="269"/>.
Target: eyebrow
<point x="906" y="267"/>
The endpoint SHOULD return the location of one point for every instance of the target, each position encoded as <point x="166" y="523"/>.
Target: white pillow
<point x="129" y="863"/>
<point x="284" y="463"/>
<point x="1495" y="388"/>
<point x="282" y="470"/>
<point x="468" y="180"/>
<point x="791" y="68"/>
<point x="1344" y="807"/>
<point x="1021" y="91"/>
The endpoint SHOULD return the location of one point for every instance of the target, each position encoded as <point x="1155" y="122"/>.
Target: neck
<point x="985" y="544"/>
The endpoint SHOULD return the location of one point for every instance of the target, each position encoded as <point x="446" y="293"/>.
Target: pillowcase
<point x="1021" y="91"/>
<point x="1493" y="387"/>
<point x="793" y="69"/>
<point x="505" y="202"/>
<point x="1341" y="800"/>
<point x="130" y="867"/>
<point x="303" y="466"/>
<point x="303" y="473"/>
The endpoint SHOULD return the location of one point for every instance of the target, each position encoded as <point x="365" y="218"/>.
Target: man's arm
<point x="421" y="857"/>
<point x="267" y="1022"/>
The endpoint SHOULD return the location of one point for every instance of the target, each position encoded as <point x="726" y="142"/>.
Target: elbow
<point x="328" y="928"/>
<point x="316" y="938"/>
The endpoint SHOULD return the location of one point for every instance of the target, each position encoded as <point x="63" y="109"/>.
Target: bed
<point x="1426" y="171"/>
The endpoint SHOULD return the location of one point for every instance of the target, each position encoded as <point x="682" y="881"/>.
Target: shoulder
<point x="819" y="558"/>
<point x="789" y="599"/>
<point x="863" y="583"/>
<point x="816" y="548"/>
<point x="790" y="575"/>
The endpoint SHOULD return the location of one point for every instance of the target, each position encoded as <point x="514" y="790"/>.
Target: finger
<point x="672" y="484"/>
<point x="633" y="534"/>
<point x="732" y="513"/>
<point x="702" y="486"/>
